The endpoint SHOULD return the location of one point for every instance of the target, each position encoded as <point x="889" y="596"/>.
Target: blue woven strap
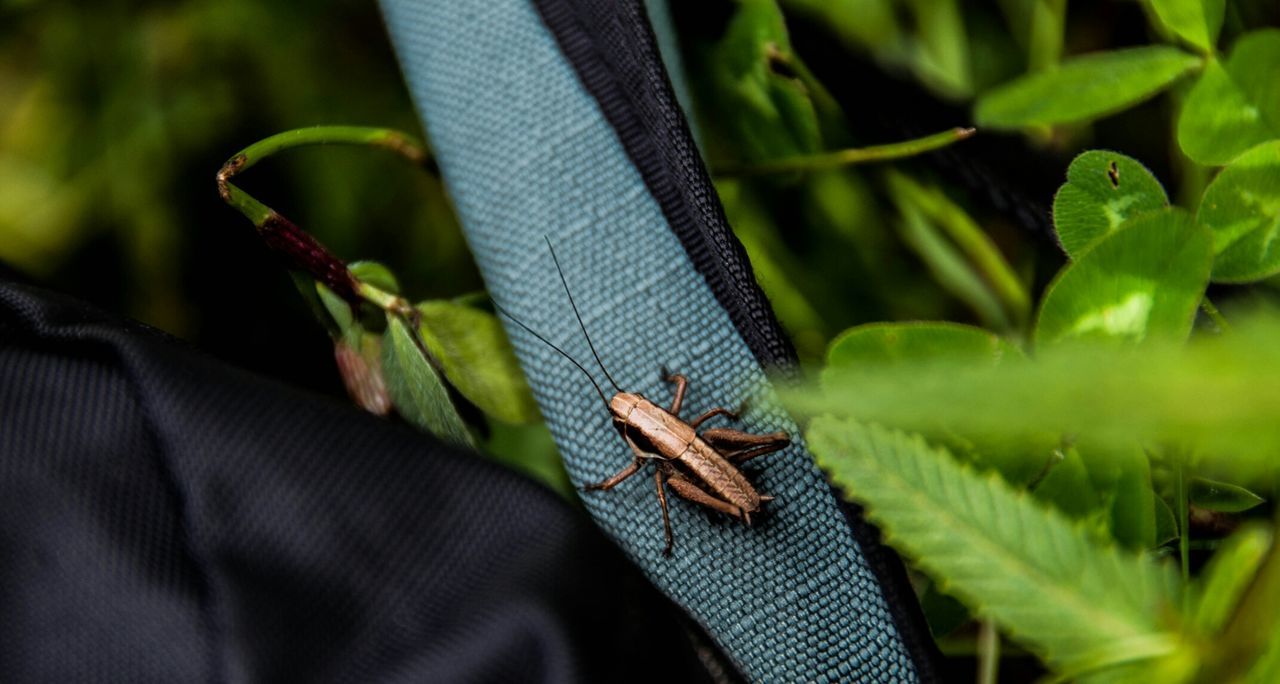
<point x="527" y="153"/>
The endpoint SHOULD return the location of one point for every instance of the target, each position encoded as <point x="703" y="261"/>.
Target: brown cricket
<point x="702" y="468"/>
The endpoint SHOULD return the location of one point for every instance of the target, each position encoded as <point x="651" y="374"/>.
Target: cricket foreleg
<point x="666" y="518"/>
<point x="739" y="447"/>
<point x="687" y="490"/>
<point x="682" y="384"/>
<point x="616" y="479"/>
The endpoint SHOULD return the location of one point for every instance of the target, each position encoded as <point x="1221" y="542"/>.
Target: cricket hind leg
<point x="666" y="517"/>
<point x="691" y="492"/>
<point x="739" y="447"/>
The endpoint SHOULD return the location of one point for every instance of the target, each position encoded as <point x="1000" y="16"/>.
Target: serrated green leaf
<point x="376" y="275"/>
<point x="1195" y="21"/>
<point x="1242" y="209"/>
<point x="477" y="359"/>
<point x="1234" y="106"/>
<point x="1084" y="88"/>
<point x="1227" y="575"/>
<point x="1102" y="191"/>
<point x="1222" y="497"/>
<point x="1143" y="281"/>
<point x="416" y="389"/>
<point x="1079" y="604"/>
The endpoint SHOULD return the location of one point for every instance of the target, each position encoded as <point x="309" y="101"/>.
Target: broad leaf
<point x="477" y="359"/>
<point x="1216" y="397"/>
<point x="1236" y="105"/>
<point x="1144" y="280"/>
<point x="416" y="389"/>
<point x="1079" y="604"/>
<point x="1195" y="21"/>
<point x="1242" y="209"/>
<point x="1227" y="575"/>
<point x="1084" y="88"/>
<point x="1102" y="191"/>
<point x="877" y="346"/>
<point x="890" y="343"/>
<point x="1222" y="497"/>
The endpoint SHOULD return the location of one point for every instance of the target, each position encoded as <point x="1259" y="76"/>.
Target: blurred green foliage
<point x="116" y="113"/>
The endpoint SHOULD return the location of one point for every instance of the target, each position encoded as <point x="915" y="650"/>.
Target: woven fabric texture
<point x="526" y="154"/>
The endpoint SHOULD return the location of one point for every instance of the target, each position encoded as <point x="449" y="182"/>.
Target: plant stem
<point x="847" y="157"/>
<point x="1184" y="536"/>
<point x="299" y="249"/>
<point x="1214" y="315"/>
<point x="988" y="652"/>
<point x="1048" y="21"/>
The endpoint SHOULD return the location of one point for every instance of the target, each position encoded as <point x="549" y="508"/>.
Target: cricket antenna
<point x="547" y="342"/>
<point x="579" y="316"/>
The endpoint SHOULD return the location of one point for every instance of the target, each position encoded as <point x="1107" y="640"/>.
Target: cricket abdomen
<point x="719" y="477"/>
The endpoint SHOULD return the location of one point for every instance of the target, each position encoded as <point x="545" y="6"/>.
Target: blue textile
<point x="526" y="153"/>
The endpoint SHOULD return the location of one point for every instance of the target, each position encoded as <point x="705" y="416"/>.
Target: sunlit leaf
<point x="1195" y="21"/>
<point x="1084" y="88"/>
<point x="1234" y="106"/>
<point x="416" y="389"/>
<point x="1222" y="497"/>
<point x="1242" y="209"/>
<point x="1079" y="604"/>
<point x="1144" y="280"/>
<point x="1103" y="189"/>
<point x="477" y="359"/>
<point x="1227" y="576"/>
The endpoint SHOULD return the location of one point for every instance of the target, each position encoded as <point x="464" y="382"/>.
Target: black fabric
<point x="166" y="518"/>
<point x="612" y="48"/>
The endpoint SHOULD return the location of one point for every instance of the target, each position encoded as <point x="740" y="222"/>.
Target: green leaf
<point x="375" y="274"/>
<point x="415" y="387"/>
<point x="1084" y="88"/>
<point x="1242" y="209"/>
<point x="1216" y="397"/>
<point x="1144" y="280"/>
<point x="878" y="345"/>
<point x="894" y="343"/>
<point x="1107" y="489"/>
<point x="1222" y="497"/>
<point x="1228" y="575"/>
<point x="1102" y="191"/>
<point x="477" y="359"/>
<point x="758" y="101"/>
<point x="1195" y="21"/>
<point x="1234" y="106"/>
<point x="1079" y="604"/>
<point x="530" y="449"/>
